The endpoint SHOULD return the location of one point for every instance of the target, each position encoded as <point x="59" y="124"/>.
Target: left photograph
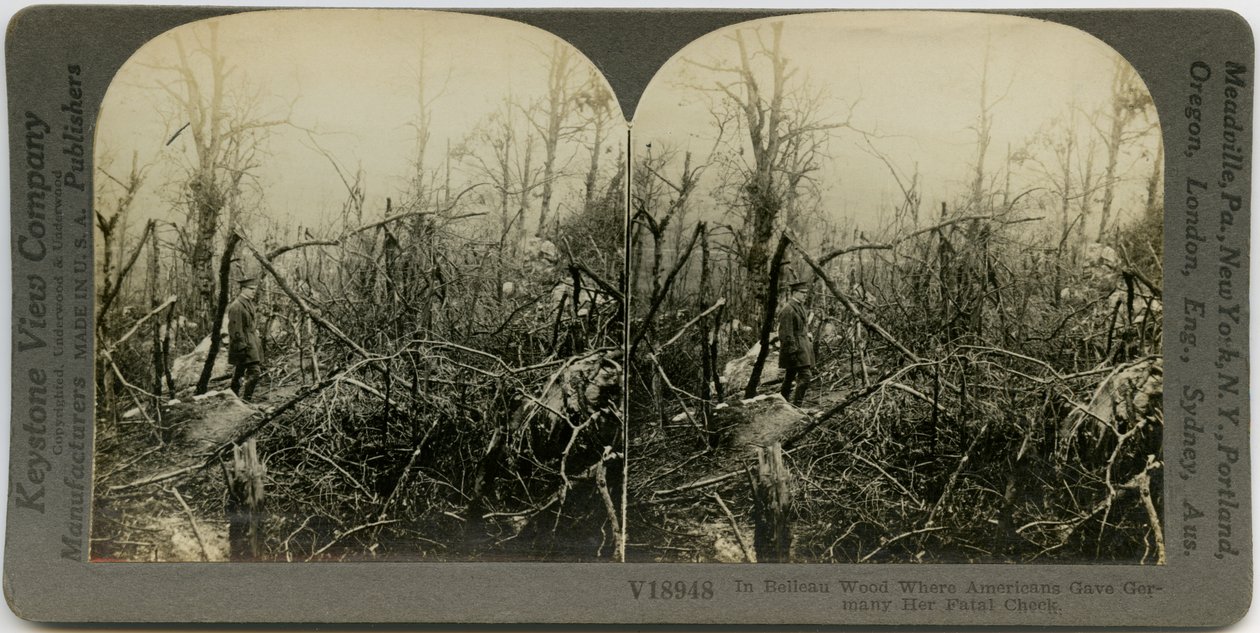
<point x="359" y="294"/>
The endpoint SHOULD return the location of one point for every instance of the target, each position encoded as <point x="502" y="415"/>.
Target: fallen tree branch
<point x="604" y="285"/>
<point x="841" y="406"/>
<point x="940" y="408"/>
<point x="411" y="461"/>
<point x="216" y="454"/>
<point x="852" y="308"/>
<point x="677" y="398"/>
<point x="896" y="483"/>
<point x="1134" y="483"/>
<point x="129" y="463"/>
<point x="330" y="462"/>
<point x="135" y="327"/>
<point x="192" y="522"/>
<point x="686" y="326"/>
<point x="953" y="477"/>
<point x="659" y="297"/>
<point x="1142" y="482"/>
<point x="159" y="478"/>
<point x="898" y="538"/>
<point x="301" y="303"/>
<point x="703" y="483"/>
<point x="739" y="536"/>
<point x="373" y="391"/>
<point x="276" y="252"/>
<point x="601" y="483"/>
<point x="936" y="227"/>
<point x="111" y="293"/>
<point x="348" y="532"/>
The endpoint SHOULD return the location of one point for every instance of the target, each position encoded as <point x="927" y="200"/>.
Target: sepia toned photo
<point x="896" y="297"/>
<point x="358" y="294"/>
<point x="503" y="316"/>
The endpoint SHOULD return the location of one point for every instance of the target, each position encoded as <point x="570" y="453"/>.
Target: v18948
<point x="672" y="589"/>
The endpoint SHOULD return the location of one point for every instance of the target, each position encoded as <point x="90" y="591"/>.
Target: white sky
<point x="352" y="76"/>
<point x="915" y="78"/>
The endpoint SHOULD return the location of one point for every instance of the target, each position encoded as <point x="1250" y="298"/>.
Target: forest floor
<point x="183" y="518"/>
<point x="180" y="520"/>
<point x="694" y="502"/>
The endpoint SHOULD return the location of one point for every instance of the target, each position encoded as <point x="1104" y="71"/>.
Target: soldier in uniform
<point x="244" y="345"/>
<point x="796" y="350"/>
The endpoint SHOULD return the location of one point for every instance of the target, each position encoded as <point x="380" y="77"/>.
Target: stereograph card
<point x="630" y="316"/>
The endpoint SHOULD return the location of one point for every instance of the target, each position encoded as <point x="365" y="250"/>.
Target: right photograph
<point x="895" y="297"/>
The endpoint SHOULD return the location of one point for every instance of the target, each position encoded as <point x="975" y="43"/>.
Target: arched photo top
<point x="328" y="239"/>
<point x="901" y="229"/>
<point x="866" y="101"/>
<point x="310" y="97"/>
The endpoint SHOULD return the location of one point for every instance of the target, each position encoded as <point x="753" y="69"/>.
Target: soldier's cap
<point x="799" y="285"/>
<point x="247" y="282"/>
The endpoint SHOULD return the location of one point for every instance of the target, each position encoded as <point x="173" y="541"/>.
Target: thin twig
<point x="739" y="536"/>
<point x="342" y="535"/>
<point x="686" y="326"/>
<point x="192" y="521"/>
<point x="931" y="528"/>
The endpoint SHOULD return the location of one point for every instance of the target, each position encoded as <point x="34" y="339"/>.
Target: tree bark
<point x="772" y="496"/>
<point x="216" y="329"/>
<point x="767" y="319"/>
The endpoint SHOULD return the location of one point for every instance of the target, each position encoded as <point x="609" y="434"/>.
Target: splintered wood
<point x="772" y="494"/>
<point x="244" y="510"/>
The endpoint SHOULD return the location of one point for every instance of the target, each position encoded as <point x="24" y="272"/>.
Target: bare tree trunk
<point x="558" y="104"/>
<point x="111" y="291"/>
<point x="1153" y="183"/>
<point x="707" y="369"/>
<point x="984" y="124"/>
<point x="767" y="319"/>
<point x="764" y="129"/>
<point x="522" y="212"/>
<point x="592" y="172"/>
<point x="1125" y="102"/>
<point x="206" y="194"/>
<point x="156" y="331"/>
<point x="244" y="509"/>
<point x="1087" y="190"/>
<point x="107" y="267"/>
<point x="772" y="496"/>
<point x="226" y="134"/>
<point x="216" y="327"/>
<point x="166" y="350"/>
<point x="1065" y="212"/>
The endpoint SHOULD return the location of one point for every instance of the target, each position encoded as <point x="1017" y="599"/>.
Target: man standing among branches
<point x="245" y="347"/>
<point x="796" y="350"/>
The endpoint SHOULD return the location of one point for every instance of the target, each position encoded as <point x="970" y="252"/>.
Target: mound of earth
<point x="209" y="420"/>
<point x="186" y="369"/>
<point x="761" y="421"/>
<point x="738" y="370"/>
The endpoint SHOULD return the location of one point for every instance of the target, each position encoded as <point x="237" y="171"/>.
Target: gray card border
<point x="1195" y="587"/>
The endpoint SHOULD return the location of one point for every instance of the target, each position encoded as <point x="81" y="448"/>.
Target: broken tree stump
<point x="244" y="506"/>
<point x="772" y="497"/>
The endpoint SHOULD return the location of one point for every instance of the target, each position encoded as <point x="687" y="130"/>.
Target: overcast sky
<point x="913" y="78"/>
<point x="351" y="75"/>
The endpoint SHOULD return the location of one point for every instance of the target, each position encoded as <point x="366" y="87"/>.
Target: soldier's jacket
<point x="244" y="345"/>
<point x="795" y="347"/>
